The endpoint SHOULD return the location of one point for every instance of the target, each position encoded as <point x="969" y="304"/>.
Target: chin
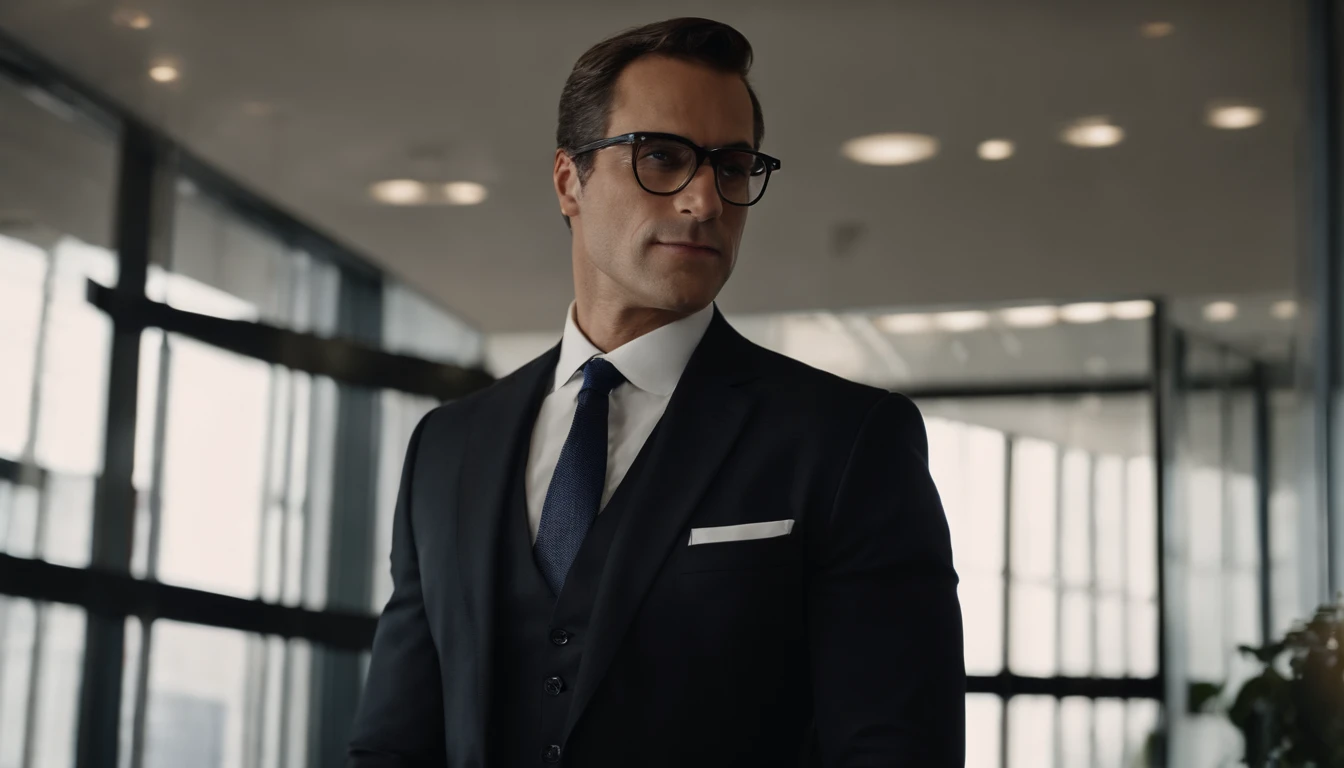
<point x="693" y="292"/>
<point x="688" y="302"/>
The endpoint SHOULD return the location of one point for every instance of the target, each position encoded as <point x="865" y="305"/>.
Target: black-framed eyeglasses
<point x="664" y="163"/>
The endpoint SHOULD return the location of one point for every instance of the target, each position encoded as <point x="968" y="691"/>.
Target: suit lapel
<point x="701" y="423"/>
<point x="500" y="432"/>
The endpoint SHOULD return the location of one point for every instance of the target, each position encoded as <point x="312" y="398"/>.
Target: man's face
<point x="624" y="236"/>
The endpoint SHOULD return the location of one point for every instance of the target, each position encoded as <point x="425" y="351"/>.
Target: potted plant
<point x="1292" y="713"/>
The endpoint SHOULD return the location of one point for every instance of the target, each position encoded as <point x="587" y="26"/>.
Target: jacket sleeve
<point x="884" y="622"/>
<point x="400" y="719"/>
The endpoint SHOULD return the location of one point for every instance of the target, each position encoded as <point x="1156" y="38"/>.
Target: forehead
<point x="661" y="94"/>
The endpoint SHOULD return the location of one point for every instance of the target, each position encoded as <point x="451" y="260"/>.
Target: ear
<point x="568" y="190"/>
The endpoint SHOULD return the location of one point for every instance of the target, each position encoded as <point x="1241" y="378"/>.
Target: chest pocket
<point x="748" y="546"/>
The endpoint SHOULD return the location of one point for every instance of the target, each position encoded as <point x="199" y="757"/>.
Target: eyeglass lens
<point x="663" y="166"/>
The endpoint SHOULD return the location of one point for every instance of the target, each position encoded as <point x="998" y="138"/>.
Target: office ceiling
<point x="310" y="102"/>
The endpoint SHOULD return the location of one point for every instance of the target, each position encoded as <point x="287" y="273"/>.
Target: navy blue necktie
<point x="575" y="493"/>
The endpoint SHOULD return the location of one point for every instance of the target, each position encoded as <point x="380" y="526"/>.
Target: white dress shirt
<point x="651" y="364"/>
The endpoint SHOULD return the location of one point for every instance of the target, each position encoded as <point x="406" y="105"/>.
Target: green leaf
<point x="1201" y="695"/>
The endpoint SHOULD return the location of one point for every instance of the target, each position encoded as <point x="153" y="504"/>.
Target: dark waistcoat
<point x="540" y="637"/>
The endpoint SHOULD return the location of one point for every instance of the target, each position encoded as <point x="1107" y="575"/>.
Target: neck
<point x="609" y="325"/>
<point x="608" y="319"/>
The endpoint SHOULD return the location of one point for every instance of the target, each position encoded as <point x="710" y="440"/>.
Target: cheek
<point x="736" y="223"/>
<point x="617" y="210"/>
<point x="617" y="231"/>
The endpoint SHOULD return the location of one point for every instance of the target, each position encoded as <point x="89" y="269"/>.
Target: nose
<point x="700" y="198"/>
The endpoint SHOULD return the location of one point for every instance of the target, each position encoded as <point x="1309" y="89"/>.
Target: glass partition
<point x="1051" y="504"/>
<point x="56" y="203"/>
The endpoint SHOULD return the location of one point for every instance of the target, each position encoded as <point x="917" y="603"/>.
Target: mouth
<point x="690" y="249"/>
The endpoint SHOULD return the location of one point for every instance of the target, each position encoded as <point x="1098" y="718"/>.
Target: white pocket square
<point x="744" y="532"/>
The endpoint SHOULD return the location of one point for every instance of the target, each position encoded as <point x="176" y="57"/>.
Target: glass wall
<point x="1050" y="500"/>
<point x="1295" y="564"/>
<point x="41" y="651"/>
<point x="238" y="462"/>
<point x="1223" y="518"/>
<point x="227" y="699"/>
<point x="58" y="182"/>
<point x="228" y="446"/>
<point x="56" y="200"/>
<point x="252" y="475"/>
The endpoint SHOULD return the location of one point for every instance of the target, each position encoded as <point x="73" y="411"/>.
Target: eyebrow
<point x="739" y="145"/>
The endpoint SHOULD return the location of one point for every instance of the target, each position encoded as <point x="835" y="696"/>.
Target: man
<point x="659" y="544"/>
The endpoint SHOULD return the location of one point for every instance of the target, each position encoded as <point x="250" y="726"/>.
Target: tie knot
<point x="600" y="375"/>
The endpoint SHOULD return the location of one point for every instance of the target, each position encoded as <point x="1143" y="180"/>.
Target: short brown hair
<point x="585" y="103"/>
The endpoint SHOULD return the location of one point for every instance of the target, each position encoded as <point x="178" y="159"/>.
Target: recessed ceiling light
<point x="1086" y="312"/>
<point x="996" y="149"/>
<point x="463" y="193"/>
<point x="1284" y="310"/>
<point x="1030" y="317"/>
<point x="163" y="73"/>
<point x="1220" y="311"/>
<point x="891" y="148"/>
<point x="968" y="320"/>
<point x="132" y="19"/>
<point x="399" y="192"/>
<point x="906" y="323"/>
<point x="1093" y="132"/>
<point x="1155" y="29"/>
<point x="1132" y="310"/>
<point x="1233" y="117"/>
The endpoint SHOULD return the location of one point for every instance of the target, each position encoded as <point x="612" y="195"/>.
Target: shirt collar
<point x="653" y="362"/>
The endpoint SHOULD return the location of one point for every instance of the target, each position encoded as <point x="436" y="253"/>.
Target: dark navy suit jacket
<point x="839" y="644"/>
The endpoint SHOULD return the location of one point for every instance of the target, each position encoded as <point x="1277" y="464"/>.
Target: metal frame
<point x="1264" y="474"/>
<point x="1006" y="696"/>
<point x="1323" y="278"/>
<point x="112" y="595"/>
<point x="114" y="501"/>
<point x="1007" y="685"/>
<point x="1078" y="387"/>
<point x="19" y="473"/>
<point x="1165" y="349"/>
<point x="342" y="359"/>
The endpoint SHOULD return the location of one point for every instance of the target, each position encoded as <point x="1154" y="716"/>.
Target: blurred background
<point x="245" y="246"/>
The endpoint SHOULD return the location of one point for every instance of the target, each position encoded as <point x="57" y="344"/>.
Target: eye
<point x="735" y="168"/>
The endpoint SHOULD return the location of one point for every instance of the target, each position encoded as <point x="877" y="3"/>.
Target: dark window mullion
<point x="1059" y="597"/>
<point x="1009" y="441"/>
<point x="27" y="457"/>
<point x="1264" y="467"/>
<point x="138" y="208"/>
<point x="257" y="660"/>
<point x="1093" y="592"/>
<point x="1126" y="635"/>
